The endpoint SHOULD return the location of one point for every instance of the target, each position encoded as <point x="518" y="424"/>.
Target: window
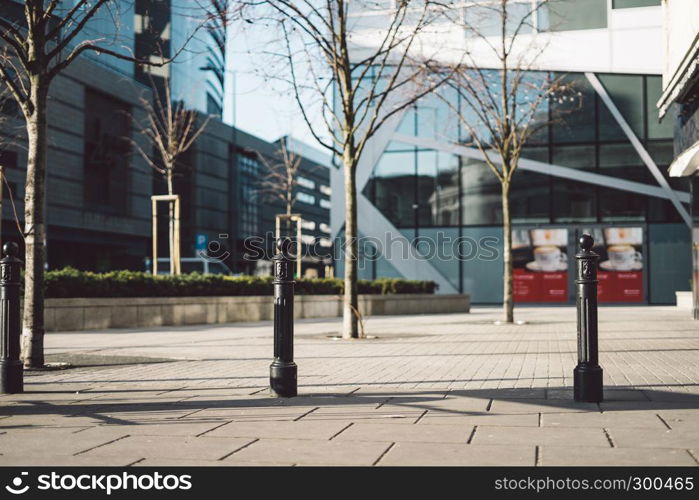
<point x="394" y="187"/>
<point x="325" y="203"/>
<point x="488" y="20"/>
<point x="306" y="198"/>
<point x="627" y="93"/>
<point x="107" y="152"/>
<point x="308" y="225"/>
<point x="324" y="227"/>
<point x="656" y="129"/>
<point x="249" y="203"/>
<point x="305" y="182"/>
<point x="627" y="4"/>
<point x="569" y="15"/>
<point x="326" y="190"/>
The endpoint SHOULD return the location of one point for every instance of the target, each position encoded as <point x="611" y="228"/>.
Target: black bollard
<point x="283" y="370"/>
<point x="587" y="376"/>
<point x="11" y="371"/>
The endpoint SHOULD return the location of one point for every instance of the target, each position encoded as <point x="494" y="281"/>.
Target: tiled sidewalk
<point x="437" y="390"/>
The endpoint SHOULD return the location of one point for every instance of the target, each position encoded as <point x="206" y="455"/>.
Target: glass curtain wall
<point x="423" y="191"/>
<point x="420" y="188"/>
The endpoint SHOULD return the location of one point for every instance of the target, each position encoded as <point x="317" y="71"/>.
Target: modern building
<point x="681" y="91"/>
<point x="179" y="28"/>
<point x="99" y="188"/>
<point x="430" y="208"/>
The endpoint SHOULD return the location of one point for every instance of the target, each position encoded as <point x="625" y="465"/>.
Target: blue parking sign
<point x="202" y="242"/>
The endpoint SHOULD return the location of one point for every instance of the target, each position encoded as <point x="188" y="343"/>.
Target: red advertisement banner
<point x="620" y="271"/>
<point x="540" y="265"/>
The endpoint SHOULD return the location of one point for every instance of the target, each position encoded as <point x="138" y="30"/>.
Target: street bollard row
<point x="11" y="371"/>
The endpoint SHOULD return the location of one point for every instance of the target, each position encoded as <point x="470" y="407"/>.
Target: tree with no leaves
<point x="280" y="178"/>
<point x="170" y="129"/>
<point x="38" y="46"/>
<point x="503" y="98"/>
<point x="319" y="44"/>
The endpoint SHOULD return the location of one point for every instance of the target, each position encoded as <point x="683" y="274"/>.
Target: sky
<point x="254" y="105"/>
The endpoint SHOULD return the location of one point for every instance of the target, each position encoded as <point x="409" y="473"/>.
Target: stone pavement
<point x="429" y="390"/>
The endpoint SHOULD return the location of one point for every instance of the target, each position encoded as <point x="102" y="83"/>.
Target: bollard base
<point x="11" y="377"/>
<point x="587" y="383"/>
<point x="283" y="379"/>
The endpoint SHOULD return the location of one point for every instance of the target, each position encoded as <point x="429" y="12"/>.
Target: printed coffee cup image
<point x="548" y="258"/>
<point x="549" y="237"/>
<point x="624" y="258"/>
<point x="623" y="235"/>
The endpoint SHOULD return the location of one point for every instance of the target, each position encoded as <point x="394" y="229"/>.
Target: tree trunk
<point x="350" y="309"/>
<point x="35" y="229"/>
<point x="507" y="299"/>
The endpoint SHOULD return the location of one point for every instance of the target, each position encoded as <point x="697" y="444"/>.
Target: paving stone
<point x="415" y="454"/>
<point x="178" y="427"/>
<point x="182" y="447"/>
<point x="249" y="414"/>
<point x="282" y="430"/>
<point x="622" y="419"/>
<point x="679" y="396"/>
<point x="487" y="418"/>
<point x="308" y="452"/>
<point x="46" y="441"/>
<point x="190" y="462"/>
<point x="394" y="414"/>
<point x="540" y="406"/>
<point x="675" y="418"/>
<point x="17" y="460"/>
<point x="390" y="432"/>
<point x="585" y="456"/>
<point x="47" y="420"/>
<point x="676" y="438"/>
<point x="610" y="394"/>
<point x="453" y="404"/>
<point x="539" y="436"/>
<point x="503" y="393"/>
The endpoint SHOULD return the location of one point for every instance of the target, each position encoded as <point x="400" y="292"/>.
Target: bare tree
<point x="354" y="87"/>
<point x="46" y="40"/>
<point x="504" y="100"/>
<point x="281" y="177"/>
<point x="170" y="129"/>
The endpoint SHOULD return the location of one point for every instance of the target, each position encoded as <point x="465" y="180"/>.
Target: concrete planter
<point x="135" y="312"/>
<point x="685" y="301"/>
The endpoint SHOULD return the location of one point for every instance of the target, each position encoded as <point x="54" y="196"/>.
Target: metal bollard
<point x="11" y="371"/>
<point x="587" y="376"/>
<point x="283" y="370"/>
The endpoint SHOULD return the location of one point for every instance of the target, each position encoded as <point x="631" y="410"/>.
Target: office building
<point x="99" y="188"/>
<point x="603" y="170"/>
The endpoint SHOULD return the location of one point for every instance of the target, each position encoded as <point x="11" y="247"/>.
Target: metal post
<point x="11" y="371"/>
<point x="283" y="370"/>
<point x="587" y="376"/>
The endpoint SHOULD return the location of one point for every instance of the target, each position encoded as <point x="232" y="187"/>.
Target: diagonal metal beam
<point x="548" y="169"/>
<point x="652" y="167"/>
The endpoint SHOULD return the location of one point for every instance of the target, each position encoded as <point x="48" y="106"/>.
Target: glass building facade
<point x="427" y="192"/>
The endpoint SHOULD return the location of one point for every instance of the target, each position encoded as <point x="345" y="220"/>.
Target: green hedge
<point x="69" y="283"/>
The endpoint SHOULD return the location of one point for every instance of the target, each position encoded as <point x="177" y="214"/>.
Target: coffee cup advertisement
<point x="620" y="272"/>
<point x="540" y="262"/>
